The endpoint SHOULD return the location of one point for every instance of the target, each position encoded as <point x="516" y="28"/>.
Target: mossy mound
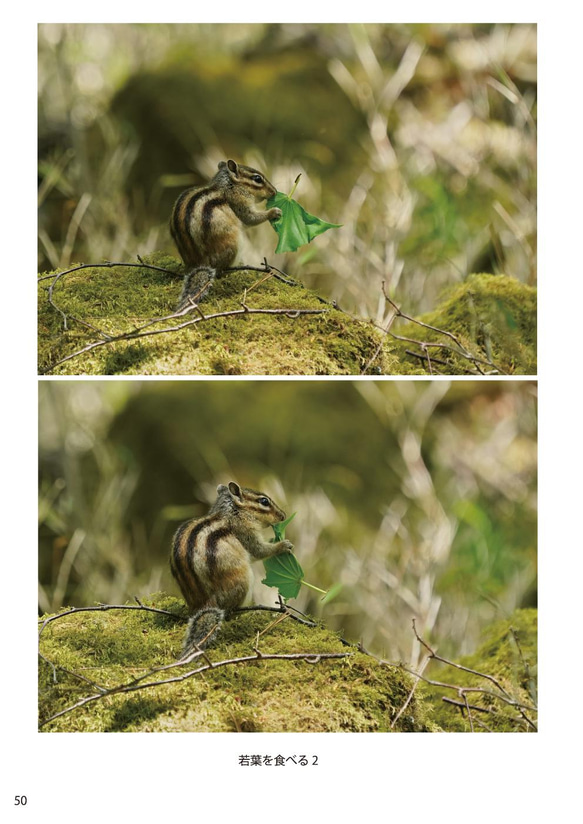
<point x="493" y="317"/>
<point x="117" y="300"/>
<point x="351" y="694"/>
<point x="508" y="654"/>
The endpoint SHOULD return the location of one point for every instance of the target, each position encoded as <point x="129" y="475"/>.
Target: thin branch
<point x="434" y="360"/>
<point x="456" y="687"/>
<point x="270" y="269"/>
<point x="461" y="691"/>
<point x="401" y="314"/>
<point x="459" y="349"/>
<point x="505" y="695"/>
<point x="136" y="335"/>
<point x="468" y="710"/>
<point x="462" y="705"/>
<point x="108" y="265"/>
<point x="286" y="609"/>
<point x="410" y="696"/>
<point x="134" y="685"/>
<point x="433" y="654"/>
<point x="105" y="608"/>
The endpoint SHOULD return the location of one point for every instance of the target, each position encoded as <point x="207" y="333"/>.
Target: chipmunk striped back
<point x="195" y="545"/>
<point x="196" y="212"/>
<point x="211" y="556"/>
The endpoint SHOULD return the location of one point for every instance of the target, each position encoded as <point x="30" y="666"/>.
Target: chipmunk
<point x="206" y="224"/>
<point x="211" y="557"/>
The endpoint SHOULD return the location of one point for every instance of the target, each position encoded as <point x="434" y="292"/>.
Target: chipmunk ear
<point x="232" y="167"/>
<point x="235" y="489"/>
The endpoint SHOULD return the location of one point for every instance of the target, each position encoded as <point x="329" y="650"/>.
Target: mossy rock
<point x="508" y="654"/>
<point x="493" y="316"/>
<point x="118" y="299"/>
<point x="350" y="694"/>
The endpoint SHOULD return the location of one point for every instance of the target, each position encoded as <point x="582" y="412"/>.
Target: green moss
<point x="118" y="299"/>
<point x="355" y="694"/>
<point x="493" y="316"/>
<point x="509" y="654"/>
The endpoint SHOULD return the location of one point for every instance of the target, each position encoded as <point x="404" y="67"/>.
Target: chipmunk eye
<point x="264" y="501"/>
<point x="257" y="179"/>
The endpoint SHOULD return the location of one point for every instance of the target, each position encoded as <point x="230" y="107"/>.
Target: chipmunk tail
<point x="195" y="286"/>
<point x="202" y="627"/>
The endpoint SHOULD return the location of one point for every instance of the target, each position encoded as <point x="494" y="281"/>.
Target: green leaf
<point x="285" y="573"/>
<point x="295" y="227"/>
<point x="332" y="593"/>
<point x="279" y="528"/>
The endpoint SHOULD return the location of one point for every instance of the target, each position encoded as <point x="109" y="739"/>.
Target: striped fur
<point x="207" y="221"/>
<point x="211" y="556"/>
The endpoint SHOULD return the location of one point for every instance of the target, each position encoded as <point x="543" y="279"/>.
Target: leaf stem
<point x="305" y="583"/>
<point x="296" y="181"/>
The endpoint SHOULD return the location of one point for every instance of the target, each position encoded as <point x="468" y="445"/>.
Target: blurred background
<point x="419" y="498"/>
<point x="419" y="139"/>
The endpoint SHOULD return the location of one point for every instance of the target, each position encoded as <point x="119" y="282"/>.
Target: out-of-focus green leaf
<point x="331" y="594"/>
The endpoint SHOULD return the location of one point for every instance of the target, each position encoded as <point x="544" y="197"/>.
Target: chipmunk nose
<point x="283" y="516"/>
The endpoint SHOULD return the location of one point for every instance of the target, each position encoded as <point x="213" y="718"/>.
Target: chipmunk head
<point x="250" y="504"/>
<point x="251" y="179"/>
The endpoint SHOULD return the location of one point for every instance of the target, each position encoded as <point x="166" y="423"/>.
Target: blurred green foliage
<point x="418" y="497"/>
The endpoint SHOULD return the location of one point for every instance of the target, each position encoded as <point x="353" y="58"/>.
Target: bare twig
<point x="136" y="335"/>
<point x="268" y="270"/>
<point x="459" y="349"/>
<point x="423" y="357"/>
<point x="108" y="265"/>
<point x="503" y="695"/>
<point x="135" y="684"/>
<point x="401" y="314"/>
<point x="285" y="608"/>
<point x="105" y="608"/>
<point x="410" y="696"/>
<point x="469" y="712"/>
<point x="433" y="654"/>
<point x="462" y="705"/>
